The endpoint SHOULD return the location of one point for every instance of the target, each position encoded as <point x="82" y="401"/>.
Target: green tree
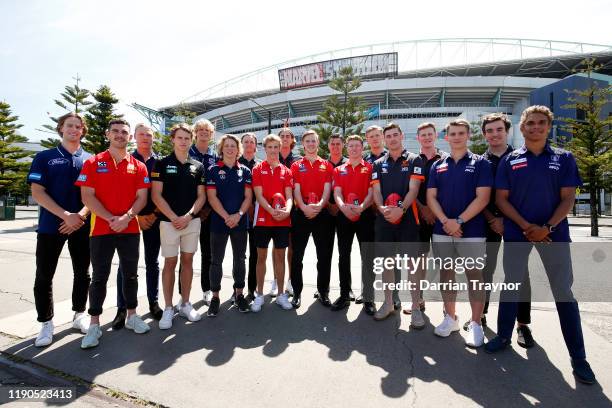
<point x="591" y="142"/>
<point x="12" y="169"/>
<point x="97" y="117"/>
<point x="344" y="113"/>
<point x="477" y="142"/>
<point x="162" y="144"/>
<point x="73" y="99"/>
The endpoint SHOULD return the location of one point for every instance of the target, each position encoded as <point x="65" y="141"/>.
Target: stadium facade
<point x="425" y="80"/>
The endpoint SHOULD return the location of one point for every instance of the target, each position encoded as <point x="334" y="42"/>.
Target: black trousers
<point x="218" y="243"/>
<point x="252" y="273"/>
<point x="205" y="256"/>
<point x="48" y="249"/>
<point x="322" y="230"/>
<point x="524" y="307"/>
<point x="102" y="251"/>
<point x="347" y="230"/>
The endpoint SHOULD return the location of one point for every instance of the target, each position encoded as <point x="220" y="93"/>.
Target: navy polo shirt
<point x="394" y="177"/>
<point x="57" y="170"/>
<point x="229" y="183"/>
<point x="456" y="184"/>
<point x="207" y="159"/>
<point x="150" y="206"/>
<point x="427" y="163"/>
<point x="535" y="184"/>
<point x="289" y="160"/>
<point x="371" y="157"/>
<point x="495" y="160"/>
<point x="343" y="160"/>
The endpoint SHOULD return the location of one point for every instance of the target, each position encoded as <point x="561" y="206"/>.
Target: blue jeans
<point x="151" y="241"/>
<point x="557" y="262"/>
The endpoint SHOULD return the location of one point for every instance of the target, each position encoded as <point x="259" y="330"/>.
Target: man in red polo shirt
<point x="114" y="187"/>
<point x="353" y="196"/>
<point x="312" y="176"/>
<point x="272" y="184"/>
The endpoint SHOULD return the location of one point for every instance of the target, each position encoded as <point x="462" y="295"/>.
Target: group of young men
<point x="458" y="204"/>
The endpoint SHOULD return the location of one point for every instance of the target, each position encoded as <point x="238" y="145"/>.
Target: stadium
<point x="406" y="82"/>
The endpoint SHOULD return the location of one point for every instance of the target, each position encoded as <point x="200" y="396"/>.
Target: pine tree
<point x="73" y="99"/>
<point x="342" y="113"/>
<point x="98" y="117"/>
<point x="477" y="142"/>
<point x="591" y="141"/>
<point x="12" y="169"/>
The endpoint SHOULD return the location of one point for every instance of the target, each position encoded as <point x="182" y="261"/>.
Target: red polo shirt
<point x="353" y="179"/>
<point x="271" y="181"/>
<point x="115" y="187"/>
<point x="312" y="177"/>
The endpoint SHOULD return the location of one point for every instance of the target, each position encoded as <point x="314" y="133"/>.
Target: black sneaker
<point x="582" y="372"/>
<point x="243" y="305"/>
<point x="213" y="309"/>
<point x="119" y="320"/>
<point x="233" y="298"/>
<point x="525" y="339"/>
<point x="155" y="310"/>
<point x="250" y="297"/>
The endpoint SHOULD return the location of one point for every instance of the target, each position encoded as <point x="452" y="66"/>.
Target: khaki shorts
<point x="445" y="246"/>
<point x="173" y="239"/>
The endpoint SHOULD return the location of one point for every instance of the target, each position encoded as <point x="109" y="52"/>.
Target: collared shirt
<point x="494" y="165"/>
<point x="312" y="176"/>
<point x="355" y="180"/>
<point x="207" y="159"/>
<point x="56" y="170"/>
<point x="115" y="185"/>
<point x="340" y="163"/>
<point x="229" y="184"/>
<point x="534" y="184"/>
<point x="181" y="181"/>
<point x="456" y="184"/>
<point x="150" y="162"/>
<point x="371" y="157"/>
<point x="272" y="181"/>
<point x="250" y="164"/>
<point x="427" y="163"/>
<point x="289" y="160"/>
<point x="394" y="177"/>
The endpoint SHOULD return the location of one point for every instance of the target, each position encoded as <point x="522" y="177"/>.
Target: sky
<point x="157" y="53"/>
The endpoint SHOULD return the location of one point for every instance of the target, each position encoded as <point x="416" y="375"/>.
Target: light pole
<point x="269" y="114"/>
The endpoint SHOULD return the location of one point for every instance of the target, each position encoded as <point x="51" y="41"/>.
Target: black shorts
<point x="279" y="235"/>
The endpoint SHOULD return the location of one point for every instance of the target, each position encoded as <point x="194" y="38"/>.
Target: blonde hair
<point x="310" y="132"/>
<point x="373" y="128"/>
<point x="224" y="139"/>
<point x="203" y="124"/>
<point x="272" y="137"/>
<point x="354" y="137"/>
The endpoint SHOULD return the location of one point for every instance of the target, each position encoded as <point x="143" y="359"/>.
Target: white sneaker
<point x="447" y="326"/>
<point x="475" y="335"/>
<point x="188" y="312"/>
<point x="206" y="297"/>
<point x="166" y="321"/>
<point x="274" y="289"/>
<point x="257" y="303"/>
<point x="92" y="337"/>
<point x="135" y="322"/>
<point x="289" y="289"/>
<point x="45" y="337"/>
<point x="283" y="301"/>
<point x="80" y="322"/>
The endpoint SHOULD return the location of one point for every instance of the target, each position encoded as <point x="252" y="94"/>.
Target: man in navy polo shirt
<point x="536" y="187"/>
<point x="458" y="189"/>
<point x="62" y="218"/>
<point x="396" y="178"/>
<point x="149" y="224"/>
<point x="229" y="193"/>
<point x="201" y="151"/>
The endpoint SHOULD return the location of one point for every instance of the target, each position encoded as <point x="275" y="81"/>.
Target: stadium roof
<point x="420" y="59"/>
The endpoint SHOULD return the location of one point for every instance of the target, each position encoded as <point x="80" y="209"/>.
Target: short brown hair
<point x="288" y="130"/>
<point x="63" y="118"/>
<point x="494" y="117"/>
<point x="373" y="128"/>
<point x="426" y="125"/>
<point x="458" y="122"/>
<point x="354" y="137"/>
<point x="181" y="126"/>
<point x="391" y="125"/>
<point x="537" y="109"/>
<point x="335" y="136"/>
<point x="118" y="122"/>
<point x="222" y="141"/>
<point x="310" y="132"/>
<point x="251" y="134"/>
<point x="143" y="125"/>
<point x="272" y="137"/>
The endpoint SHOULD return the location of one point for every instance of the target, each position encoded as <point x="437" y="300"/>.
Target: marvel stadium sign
<point x="365" y="66"/>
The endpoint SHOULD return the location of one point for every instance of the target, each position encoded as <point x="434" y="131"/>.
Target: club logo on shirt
<point x="82" y="177"/>
<point x="322" y="167"/>
<point x="554" y="162"/>
<point x="131" y="169"/>
<point x="364" y="170"/>
<point x="264" y="172"/>
<point x="384" y="170"/>
<point x="417" y="170"/>
<point x="442" y="168"/>
<point x="171" y="169"/>
<point x="101" y="164"/>
<point x="58" y="161"/>
<point x="146" y="180"/>
<point x="374" y="176"/>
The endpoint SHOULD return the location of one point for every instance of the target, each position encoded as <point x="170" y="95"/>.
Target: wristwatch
<point x="240" y="212"/>
<point x="404" y="209"/>
<point x="549" y="227"/>
<point x="130" y="215"/>
<point x="460" y="221"/>
<point x="193" y="215"/>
